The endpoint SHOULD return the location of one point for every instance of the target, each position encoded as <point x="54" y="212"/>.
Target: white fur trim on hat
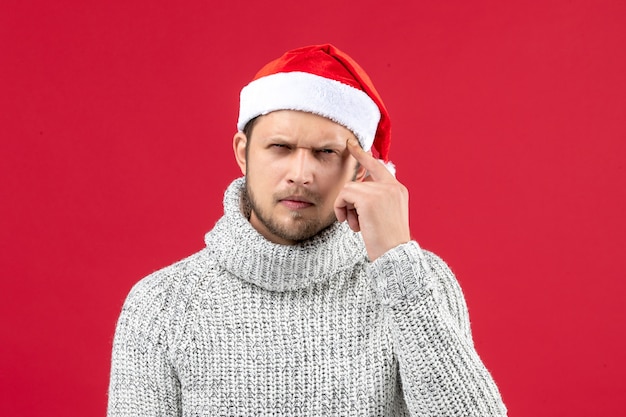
<point x="303" y="91"/>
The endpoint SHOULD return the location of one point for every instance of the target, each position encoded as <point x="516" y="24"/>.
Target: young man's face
<point x="295" y="165"/>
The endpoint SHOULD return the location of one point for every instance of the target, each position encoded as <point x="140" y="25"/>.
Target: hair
<point x="247" y="131"/>
<point x="249" y="127"/>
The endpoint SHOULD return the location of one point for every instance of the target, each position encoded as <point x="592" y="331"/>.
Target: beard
<point x="300" y="228"/>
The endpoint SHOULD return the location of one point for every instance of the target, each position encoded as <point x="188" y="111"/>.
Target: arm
<point x="143" y="381"/>
<point x="440" y="371"/>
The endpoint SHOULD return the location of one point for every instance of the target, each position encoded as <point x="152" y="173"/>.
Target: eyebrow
<point x="334" y="144"/>
<point x="339" y="145"/>
<point x="329" y="146"/>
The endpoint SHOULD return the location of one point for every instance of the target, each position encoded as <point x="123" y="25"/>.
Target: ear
<point x="239" y="147"/>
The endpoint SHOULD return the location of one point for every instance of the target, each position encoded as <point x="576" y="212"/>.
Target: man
<point x="310" y="297"/>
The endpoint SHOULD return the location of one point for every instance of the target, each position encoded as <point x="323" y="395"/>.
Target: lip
<point x="297" y="198"/>
<point x="295" y="202"/>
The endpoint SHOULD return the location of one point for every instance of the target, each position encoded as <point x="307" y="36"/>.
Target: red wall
<point x="116" y="121"/>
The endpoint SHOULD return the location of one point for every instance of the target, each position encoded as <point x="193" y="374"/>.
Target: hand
<point x="378" y="206"/>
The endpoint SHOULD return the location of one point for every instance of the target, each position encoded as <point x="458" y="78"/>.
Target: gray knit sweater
<point x="246" y="327"/>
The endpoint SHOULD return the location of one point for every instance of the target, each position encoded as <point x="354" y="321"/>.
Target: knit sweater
<point x="246" y="327"/>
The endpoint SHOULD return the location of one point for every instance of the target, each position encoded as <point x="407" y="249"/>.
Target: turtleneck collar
<point x="245" y="253"/>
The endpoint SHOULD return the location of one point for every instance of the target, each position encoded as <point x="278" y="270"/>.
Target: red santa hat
<point x="323" y="80"/>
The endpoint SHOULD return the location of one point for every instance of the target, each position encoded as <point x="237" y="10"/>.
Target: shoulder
<point x="155" y="300"/>
<point x="408" y="272"/>
<point x="415" y="266"/>
<point x="449" y="291"/>
<point x="439" y="269"/>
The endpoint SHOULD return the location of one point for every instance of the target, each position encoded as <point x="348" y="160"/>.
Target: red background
<point x="116" y="121"/>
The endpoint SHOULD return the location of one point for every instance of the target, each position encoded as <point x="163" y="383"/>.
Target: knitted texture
<point x="247" y="327"/>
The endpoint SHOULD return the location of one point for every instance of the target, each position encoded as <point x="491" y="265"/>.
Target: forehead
<point x="300" y="126"/>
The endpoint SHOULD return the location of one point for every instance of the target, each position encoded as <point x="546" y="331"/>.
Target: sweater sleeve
<point x="143" y="381"/>
<point x="440" y="370"/>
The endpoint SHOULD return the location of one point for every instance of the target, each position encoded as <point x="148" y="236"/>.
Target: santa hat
<point x="323" y="80"/>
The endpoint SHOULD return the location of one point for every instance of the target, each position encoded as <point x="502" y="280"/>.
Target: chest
<point x="323" y="349"/>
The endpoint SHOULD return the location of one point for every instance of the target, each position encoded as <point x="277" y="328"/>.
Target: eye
<point x="326" y="151"/>
<point x="279" y="146"/>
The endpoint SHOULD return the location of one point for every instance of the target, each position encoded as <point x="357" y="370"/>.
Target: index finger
<point x="377" y="170"/>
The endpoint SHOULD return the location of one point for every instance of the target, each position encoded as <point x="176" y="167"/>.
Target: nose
<point x="300" y="167"/>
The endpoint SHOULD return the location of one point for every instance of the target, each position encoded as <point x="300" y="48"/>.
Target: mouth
<point x="294" y="202"/>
